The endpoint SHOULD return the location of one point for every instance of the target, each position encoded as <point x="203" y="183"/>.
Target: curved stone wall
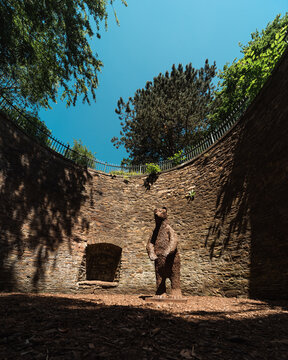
<point x="233" y="235"/>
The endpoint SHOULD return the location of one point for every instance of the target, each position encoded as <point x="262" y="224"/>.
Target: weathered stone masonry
<point x="63" y="229"/>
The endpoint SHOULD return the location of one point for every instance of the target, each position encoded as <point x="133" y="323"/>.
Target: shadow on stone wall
<point x="252" y="204"/>
<point x="150" y="180"/>
<point x="41" y="196"/>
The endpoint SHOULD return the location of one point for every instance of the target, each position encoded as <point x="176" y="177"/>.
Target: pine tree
<point x="168" y="115"/>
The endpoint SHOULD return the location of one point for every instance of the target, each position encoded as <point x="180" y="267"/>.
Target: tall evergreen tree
<point x="168" y="115"/>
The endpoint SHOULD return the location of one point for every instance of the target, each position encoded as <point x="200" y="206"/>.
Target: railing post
<point x="212" y="138"/>
<point x="66" y="151"/>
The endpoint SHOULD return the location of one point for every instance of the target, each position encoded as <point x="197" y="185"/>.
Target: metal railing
<point x="40" y="133"/>
<point x="44" y="137"/>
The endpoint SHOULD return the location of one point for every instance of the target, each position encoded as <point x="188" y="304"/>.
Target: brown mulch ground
<point x="128" y="327"/>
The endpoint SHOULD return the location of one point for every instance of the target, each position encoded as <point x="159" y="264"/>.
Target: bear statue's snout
<point x="161" y="213"/>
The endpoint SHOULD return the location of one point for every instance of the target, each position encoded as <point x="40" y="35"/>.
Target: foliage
<point x="169" y="114"/>
<point x="35" y="127"/>
<point x="11" y="94"/>
<point x="152" y="168"/>
<point x="126" y="162"/>
<point x="245" y="77"/>
<point x="44" y="46"/>
<point x="81" y="155"/>
<point x="178" y="158"/>
<point x="31" y="124"/>
<point x="191" y="194"/>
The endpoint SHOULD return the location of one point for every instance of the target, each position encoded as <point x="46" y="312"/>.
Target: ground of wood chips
<point x="129" y="327"/>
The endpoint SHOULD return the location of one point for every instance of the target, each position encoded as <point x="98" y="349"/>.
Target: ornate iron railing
<point x="45" y="138"/>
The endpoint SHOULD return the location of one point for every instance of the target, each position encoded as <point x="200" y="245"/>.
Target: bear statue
<point x="162" y="248"/>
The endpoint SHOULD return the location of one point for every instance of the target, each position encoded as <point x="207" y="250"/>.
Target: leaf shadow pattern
<point x="252" y="201"/>
<point x="72" y="328"/>
<point x="41" y="197"/>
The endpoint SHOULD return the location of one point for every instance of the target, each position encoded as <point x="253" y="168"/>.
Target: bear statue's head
<point x="160" y="213"/>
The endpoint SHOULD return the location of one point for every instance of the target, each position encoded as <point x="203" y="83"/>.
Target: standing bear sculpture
<point x="162" y="249"/>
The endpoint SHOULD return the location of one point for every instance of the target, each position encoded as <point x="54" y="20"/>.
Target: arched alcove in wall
<point x="103" y="262"/>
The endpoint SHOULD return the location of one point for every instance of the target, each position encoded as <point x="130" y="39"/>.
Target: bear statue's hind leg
<point x="175" y="287"/>
<point x="160" y="284"/>
<point x="160" y="275"/>
<point x="175" y="277"/>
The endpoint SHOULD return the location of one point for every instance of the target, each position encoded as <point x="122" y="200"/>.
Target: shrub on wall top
<point x="152" y="168"/>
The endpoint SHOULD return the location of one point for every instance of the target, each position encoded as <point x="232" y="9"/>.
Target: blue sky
<point x="152" y="36"/>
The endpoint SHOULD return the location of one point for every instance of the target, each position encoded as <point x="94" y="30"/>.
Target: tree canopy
<point x="44" y="46"/>
<point x="168" y="115"/>
<point x="246" y="76"/>
<point x="81" y="155"/>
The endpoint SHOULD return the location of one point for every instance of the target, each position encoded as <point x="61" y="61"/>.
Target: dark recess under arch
<point x="103" y="262"/>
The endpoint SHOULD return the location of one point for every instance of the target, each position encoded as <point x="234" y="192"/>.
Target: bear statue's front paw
<point x="153" y="257"/>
